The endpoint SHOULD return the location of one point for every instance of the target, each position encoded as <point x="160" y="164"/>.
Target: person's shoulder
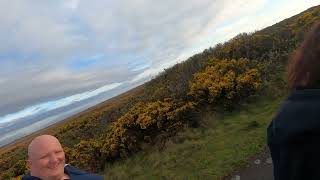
<point x="29" y="177"/>
<point x="81" y="175"/>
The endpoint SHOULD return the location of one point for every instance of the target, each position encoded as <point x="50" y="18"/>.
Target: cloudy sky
<point x="55" y="53"/>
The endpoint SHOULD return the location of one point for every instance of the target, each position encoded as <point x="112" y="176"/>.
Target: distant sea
<point x="14" y="130"/>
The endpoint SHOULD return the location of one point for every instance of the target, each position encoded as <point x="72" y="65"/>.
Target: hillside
<point x="222" y="144"/>
<point x="221" y="79"/>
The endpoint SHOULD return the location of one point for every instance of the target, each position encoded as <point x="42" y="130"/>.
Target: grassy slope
<point x="210" y="152"/>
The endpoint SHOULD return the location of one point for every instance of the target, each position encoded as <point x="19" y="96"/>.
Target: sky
<point x="57" y="53"/>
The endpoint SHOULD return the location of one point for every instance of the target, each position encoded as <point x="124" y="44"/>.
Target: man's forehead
<point x="44" y="140"/>
<point x="43" y="144"/>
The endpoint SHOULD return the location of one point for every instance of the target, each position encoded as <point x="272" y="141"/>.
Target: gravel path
<point x="259" y="168"/>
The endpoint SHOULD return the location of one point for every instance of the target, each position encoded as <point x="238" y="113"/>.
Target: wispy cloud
<point x="63" y="47"/>
<point x="52" y="105"/>
<point x="72" y="4"/>
<point x="139" y="65"/>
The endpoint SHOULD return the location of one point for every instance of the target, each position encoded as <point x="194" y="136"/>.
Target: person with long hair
<point x="294" y="133"/>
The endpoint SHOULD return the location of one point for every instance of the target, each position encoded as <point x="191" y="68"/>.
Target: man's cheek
<point x="44" y="164"/>
<point x="61" y="158"/>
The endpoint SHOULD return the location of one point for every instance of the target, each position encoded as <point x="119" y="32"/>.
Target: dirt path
<point x="259" y="168"/>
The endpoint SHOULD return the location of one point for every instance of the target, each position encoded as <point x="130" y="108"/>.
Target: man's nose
<point x="53" y="158"/>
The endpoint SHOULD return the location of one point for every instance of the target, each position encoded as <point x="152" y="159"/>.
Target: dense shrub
<point x="125" y="136"/>
<point x="225" y="82"/>
<point x="86" y="155"/>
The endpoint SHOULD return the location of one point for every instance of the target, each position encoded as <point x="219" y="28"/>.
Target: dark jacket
<point x="74" y="174"/>
<point x="294" y="137"/>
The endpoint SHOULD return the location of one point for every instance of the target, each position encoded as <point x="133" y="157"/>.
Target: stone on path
<point x="269" y="161"/>
<point x="237" y="177"/>
<point x="259" y="167"/>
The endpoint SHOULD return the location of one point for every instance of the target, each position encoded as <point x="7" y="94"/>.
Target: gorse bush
<point x="225" y="82"/>
<point x="148" y="120"/>
<point x="222" y="83"/>
<point x="86" y="154"/>
<point x="143" y="121"/>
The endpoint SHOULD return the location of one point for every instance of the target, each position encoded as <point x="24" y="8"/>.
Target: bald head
<point x="41" y="142"/>
<point x="46" y="157"/>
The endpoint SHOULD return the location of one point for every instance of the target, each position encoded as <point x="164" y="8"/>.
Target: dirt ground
<point x="259" y="168"/>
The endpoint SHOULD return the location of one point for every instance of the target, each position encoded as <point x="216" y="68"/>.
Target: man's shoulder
<point x="74" y="173"/>
<point x="29" y="177"/>
<point x="81" y="175"/>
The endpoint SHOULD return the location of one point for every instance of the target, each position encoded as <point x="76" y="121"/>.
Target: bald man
<point x="46" y="160"/>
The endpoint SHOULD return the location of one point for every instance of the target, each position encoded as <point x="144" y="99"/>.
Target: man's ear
<point x="28" y="164"/>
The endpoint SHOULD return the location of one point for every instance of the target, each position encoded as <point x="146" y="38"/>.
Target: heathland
<point x="200" y="119"/>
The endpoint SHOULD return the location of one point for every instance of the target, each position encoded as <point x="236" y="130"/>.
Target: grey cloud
<point x="48" y="35"/>
<point x="33" y="87"/>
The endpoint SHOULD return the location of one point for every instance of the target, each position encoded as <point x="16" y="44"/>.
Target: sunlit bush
<point x="225" y="82"/>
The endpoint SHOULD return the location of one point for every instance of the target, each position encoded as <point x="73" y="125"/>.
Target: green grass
<point x="223" y="143"/>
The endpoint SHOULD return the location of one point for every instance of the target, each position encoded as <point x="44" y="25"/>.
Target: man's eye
<point x="43" y="157"/>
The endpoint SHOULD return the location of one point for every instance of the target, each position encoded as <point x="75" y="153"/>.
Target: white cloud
<point x="35" y="28"/>
<point x="192" y="33"/>
<point x="151" y="72"/>
<point x="41" y="38"/>
<point x="139" y="67"/>
<point x="146" y="74"/>
<point x="2" y="81"/>
<point x="60" y="75"/>
<point x="72" y="4"/>
<point x="52" y="105"/>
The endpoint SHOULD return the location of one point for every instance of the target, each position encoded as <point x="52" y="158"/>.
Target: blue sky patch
<point x="83" y="63"/>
